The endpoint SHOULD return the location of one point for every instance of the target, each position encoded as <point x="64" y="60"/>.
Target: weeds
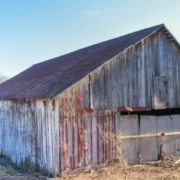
<point x="11" y="171"/>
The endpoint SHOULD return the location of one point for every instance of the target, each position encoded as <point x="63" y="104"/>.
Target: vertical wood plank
<point x="148" y="146"/>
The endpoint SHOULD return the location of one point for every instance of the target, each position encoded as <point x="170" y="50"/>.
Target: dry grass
<point x="114" y="171"/>
<point x="166" y="170"/>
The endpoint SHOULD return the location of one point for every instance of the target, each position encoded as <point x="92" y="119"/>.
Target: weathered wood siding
<point x="85" y="134"/>
<point x="87" y="140"/>
<point x="29" y="131"/>
<point x="128" y="125"/>
<point x="144" y="75"/>
<point x="148" y="148"/>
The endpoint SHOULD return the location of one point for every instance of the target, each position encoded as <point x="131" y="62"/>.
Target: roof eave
<point x="170" y="36"/>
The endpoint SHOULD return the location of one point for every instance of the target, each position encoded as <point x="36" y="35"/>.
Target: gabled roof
<point x="49" y="78"/>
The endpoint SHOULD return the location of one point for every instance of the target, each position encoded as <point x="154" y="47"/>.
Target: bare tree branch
<point x="3" y="78"/>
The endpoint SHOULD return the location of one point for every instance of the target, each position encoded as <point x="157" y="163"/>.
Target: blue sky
<point x="32" y="31"/>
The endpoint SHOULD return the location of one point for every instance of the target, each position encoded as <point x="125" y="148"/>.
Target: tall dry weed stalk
<point x="119" y="147"/>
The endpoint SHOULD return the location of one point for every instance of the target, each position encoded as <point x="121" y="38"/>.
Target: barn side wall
<point x="30" y="133"/>
<point x="87" y="136"/>
<point x="87" y="139"/>
<point x="144" y="75"/>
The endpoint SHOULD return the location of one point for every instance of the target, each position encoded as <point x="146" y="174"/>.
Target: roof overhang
<point x="170" y="36"/>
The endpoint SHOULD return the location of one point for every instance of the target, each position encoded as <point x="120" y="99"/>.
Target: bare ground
<point x="166" y="170"/>
<point x="162" y="170"/>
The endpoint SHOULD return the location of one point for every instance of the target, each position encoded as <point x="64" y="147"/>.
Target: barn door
<point x="160" y="92"/>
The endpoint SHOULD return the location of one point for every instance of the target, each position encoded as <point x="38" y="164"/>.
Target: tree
<point x="3" y="78"/>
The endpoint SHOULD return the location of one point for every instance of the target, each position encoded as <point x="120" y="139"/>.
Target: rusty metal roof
<point x="49" y="78"/>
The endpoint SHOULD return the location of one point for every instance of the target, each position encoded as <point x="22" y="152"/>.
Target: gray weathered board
<point x="148" y="148"/>
<point x="144" y="75"/>
<point x="30" y="136"/>
<point x="130" y="148"/>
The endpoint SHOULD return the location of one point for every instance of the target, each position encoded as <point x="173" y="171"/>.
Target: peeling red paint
<point x="84" y="142"/>
<point x="133" y="109"/>
<point x="91" y="141"/>
<point x="87" y="110"/>
<point x="73" y="144"/>
<point x="66" y="146"/>
<point x="103" y="123"/>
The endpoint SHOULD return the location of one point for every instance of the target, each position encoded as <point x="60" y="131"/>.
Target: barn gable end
<point x="144" y="75"/>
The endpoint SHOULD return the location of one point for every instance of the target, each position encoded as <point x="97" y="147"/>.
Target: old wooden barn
<point x="54" y="114"/>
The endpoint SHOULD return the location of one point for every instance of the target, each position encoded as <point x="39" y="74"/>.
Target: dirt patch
<point x="162" y="170"/>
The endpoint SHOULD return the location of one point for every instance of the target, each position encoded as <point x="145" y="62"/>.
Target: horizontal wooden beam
<point x="133" y="109"/>
<point x="149" y="135"/>
<point x="87" y="110"/>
